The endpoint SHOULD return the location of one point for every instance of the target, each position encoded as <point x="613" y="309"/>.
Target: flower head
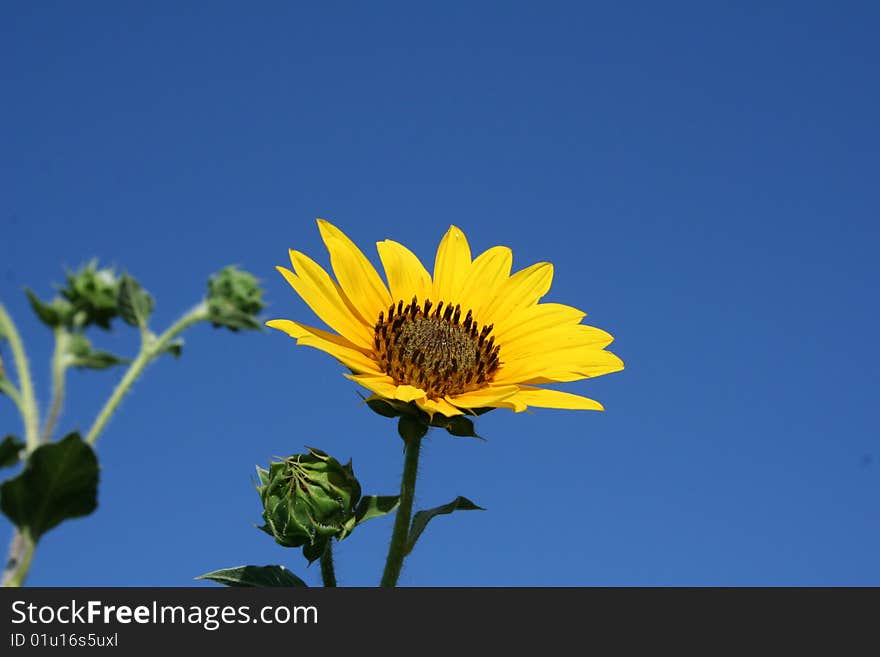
<point x="472" y="336"/>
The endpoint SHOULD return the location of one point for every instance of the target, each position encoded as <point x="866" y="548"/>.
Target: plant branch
<point x="59" y="369"/>
<point x="27" y="402"/>
<point x="150" y="349"/>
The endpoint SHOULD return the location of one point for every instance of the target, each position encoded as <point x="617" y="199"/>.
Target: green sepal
<point x="234" y="299"/>
<point x="10" y="451"/>
<point x="411" y="428"/>
<point x="422" y="518"/>
<point x="255" y="576"/>
<point x="312" y="552"/>
<point x="458" y="425"/>
<point x="135" y="303"/>
<point x="59" y="481"/>
<point x="81" y="354"/>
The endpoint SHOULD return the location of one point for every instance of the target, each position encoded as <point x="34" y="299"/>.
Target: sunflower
<point x="473" y="336"/>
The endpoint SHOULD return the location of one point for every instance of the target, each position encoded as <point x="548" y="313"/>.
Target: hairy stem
<point x="18" y="563"/>
<point x="400" y="533"/>
<point x="149" y="350"/>
<point x="62" y="338"/>
<point x="328" y="574"/>
<point x="28" y="403"/>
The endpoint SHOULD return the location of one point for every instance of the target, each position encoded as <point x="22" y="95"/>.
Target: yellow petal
<point x="489" y="271"/>
<point x="532" y="319"/>
<point x="482" y="397"/>
<point x="381" y="384"/>
<point x="408" y="393"/>
<point x="319" y="291"/>
<point x="441" y="406"/>
<point x="521" y="290"/>
<point x="556" y="399"/>
<point x="406" y="275"/>
<point x="338" y="347"/>
<point x="561" y="365"/>
<point x="451" y="266"/>
<point x="356" y="275"/>
<point x="554" y="339"/>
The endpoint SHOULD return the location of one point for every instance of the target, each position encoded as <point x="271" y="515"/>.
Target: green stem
<point x="28" y="403"/>
<point x="400" y="533"/>
<point x="328" y="574"/>
<point x="21" y="552"/>
<point x="149" y="350"/>
<point x="59" y="367"/>
<point x="11" y="391"/>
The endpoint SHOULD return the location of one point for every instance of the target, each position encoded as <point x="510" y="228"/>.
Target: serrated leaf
<point x="422" y="518"/>
<point x="135" y="303"/>
<point x="10" y="449"/>
<point x="59" y="481"/>
<point x="255" y="576"/>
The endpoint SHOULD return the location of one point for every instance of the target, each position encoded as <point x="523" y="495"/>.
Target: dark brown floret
<point x="437" y="352"/>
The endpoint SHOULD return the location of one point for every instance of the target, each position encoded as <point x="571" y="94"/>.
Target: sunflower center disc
<point x="437" y="352"/>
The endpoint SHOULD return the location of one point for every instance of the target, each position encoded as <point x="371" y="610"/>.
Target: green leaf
<point x="370" y="506"/>
<point x="10" y="448"/>
<point x="374" y="506"/>
<point x="51" y="314"/>
<point x="135" y="303"/>
<point x="59" y="481"/>
<point x="255" y="576"/>
<point x="82" y="355"/>
<point x="175" y="348"/>
<point x="422" y="518"/>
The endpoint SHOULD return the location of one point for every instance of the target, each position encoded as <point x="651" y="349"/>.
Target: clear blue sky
<point x="702" y="175"/>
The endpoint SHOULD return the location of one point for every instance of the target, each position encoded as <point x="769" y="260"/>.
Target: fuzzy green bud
<point x="234" y="299"/>
<point x="307" y="500"/>
<point x="92" y="293"/>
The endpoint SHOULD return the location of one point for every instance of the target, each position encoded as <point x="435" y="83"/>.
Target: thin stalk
<point x="18" y="564"/>
<point x="28" y="403"/>
<point x="59" y="368"/>
<point x="400" y="533"/>
<point x="328" y="574"/>
<point x="149" y="350"/>
<point x="8" y="389"/>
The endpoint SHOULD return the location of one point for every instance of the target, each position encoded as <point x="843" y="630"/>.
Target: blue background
<point x="702" y="175"/>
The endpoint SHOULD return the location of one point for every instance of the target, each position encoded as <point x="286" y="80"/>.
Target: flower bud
<point x="234" y="299"/>
<point x="307" y="500"/>
<point x="92" y="293"/>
